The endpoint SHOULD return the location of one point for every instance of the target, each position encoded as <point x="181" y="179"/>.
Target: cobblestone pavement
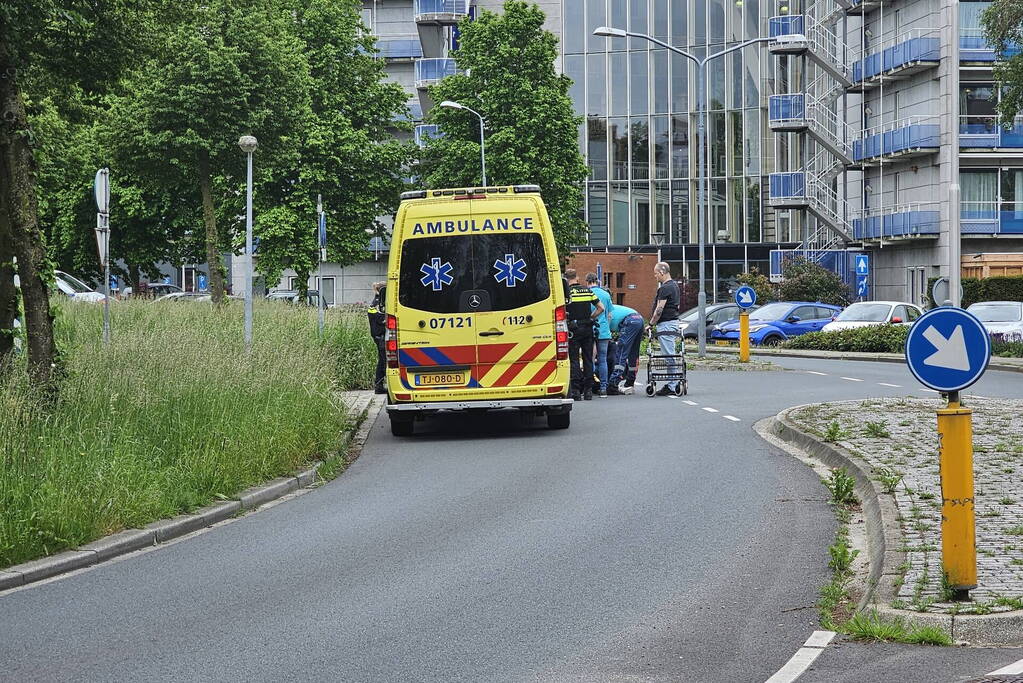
<point x="897" y="437"/>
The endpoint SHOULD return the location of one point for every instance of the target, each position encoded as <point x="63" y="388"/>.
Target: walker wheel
<point x="650" y="389"/>
<point x="682" y="389"/>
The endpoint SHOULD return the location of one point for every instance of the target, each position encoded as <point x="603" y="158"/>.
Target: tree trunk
<point x="18" y="181"/>
<point x="8" y="294"/>
<point x="302" y="285"/>
<point x="135" y="279"/>
<point x="213" y="260"/>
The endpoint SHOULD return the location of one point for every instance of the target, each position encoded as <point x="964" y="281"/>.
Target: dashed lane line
<point x="731" y="417"/>
<point x="814" y="372"/>
<point x="804" y="657"/>
<point x="1011" y="669"/>
<point x="894" y="386"/>
<point x="691" y="403"/>
<point x="853" y="379"/>
<point x="711" y="410"/>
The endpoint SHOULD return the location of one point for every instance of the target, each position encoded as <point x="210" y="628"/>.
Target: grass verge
<point x="171" y="416"/>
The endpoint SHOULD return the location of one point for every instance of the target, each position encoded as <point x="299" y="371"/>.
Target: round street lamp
<point x="449" y="104"/>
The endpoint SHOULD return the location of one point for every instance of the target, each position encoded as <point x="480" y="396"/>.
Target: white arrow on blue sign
<point x="745" y="296"/>
<point x="948" y="349"/>
<point x="862" y="264"/>
<point x="862" y="286"/>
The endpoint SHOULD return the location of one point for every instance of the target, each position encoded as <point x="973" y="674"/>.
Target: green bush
<point x="1007" y="349"/>
<point x="874" y="339"/>
<point x="173" y="415"/>
<point x="806" y="280"/>
<point x="1000" y="288"/>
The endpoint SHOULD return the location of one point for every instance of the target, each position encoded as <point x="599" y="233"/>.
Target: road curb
<point x="995" y="364"/>
<point x="365" y="410"/>
<point x="884" y="538"/>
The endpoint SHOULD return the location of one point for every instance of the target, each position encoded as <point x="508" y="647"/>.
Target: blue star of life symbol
<point x="436" y="274"/>
<point x="510" y="270"/>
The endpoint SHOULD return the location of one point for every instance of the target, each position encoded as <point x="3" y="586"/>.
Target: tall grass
<point x="173" y="415"/>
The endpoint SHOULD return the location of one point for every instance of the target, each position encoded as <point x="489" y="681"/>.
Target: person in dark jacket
<point x="582" y="310"/>
<point x="378" y="330"/>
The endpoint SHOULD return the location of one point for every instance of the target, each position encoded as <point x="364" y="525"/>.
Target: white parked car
<point x="76" y="290"/>
<point x="1002" y="318"/>
<point x="867" y="313"/>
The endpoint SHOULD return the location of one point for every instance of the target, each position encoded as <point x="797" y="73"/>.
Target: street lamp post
<point x="248" y="145"/>
<point x="701" y="134"/>
<point x="483" y="155"/>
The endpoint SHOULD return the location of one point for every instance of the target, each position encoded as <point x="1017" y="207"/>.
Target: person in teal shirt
<point x="603" y="330"/>
<point x="629" y="326"/>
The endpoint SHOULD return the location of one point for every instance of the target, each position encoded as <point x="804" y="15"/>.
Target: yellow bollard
<point x="744" y="337"/>
<point x="958" y="539"/>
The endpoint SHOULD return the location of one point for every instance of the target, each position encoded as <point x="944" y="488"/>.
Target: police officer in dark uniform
<point x="582" y="310"/>
<point x="378" y="330"/>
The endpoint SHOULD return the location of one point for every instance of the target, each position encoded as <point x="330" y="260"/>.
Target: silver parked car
<point x="867" y="313"/>
<point x="1001" y="318"/>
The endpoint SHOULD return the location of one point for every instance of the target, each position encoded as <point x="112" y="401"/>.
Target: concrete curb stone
<point x="1006" y="364"/>
<point x="366" y="408"/>
<point x="884" y="538"/>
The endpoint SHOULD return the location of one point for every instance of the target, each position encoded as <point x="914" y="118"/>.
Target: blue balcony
<point x="786" y="25"/>
<point x="983" y="132"/>
<point x="441" y="12"/>
<point x="787" y="112"/>
<point x="429" y="71"/>
<point x="904" y="58"/>
<point x="900" y="139"/>
<point x="973" y="47"/>
<point x="399" y="48"/>
<point x="426" y="131"/>
<point x="788" y="190"/>
<point x="905" y="222"/>
<point x="991" y="218"/>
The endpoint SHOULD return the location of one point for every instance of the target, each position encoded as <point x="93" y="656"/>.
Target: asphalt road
<point x="654" y="540"/>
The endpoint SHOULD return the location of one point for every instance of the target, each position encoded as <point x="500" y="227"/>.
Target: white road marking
<point x="852" y="379"/>
<point x="691" y="403"/>
<point x="710" y="410"/>
<point x="1014" y="668"/>
<point x="732" y="418"/>
<point x="804" y="657"/>
<point x="894" y="386"/>
<point x="814" y="372"/>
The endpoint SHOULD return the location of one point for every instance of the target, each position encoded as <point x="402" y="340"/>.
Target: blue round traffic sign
<point x="948" y="349"/>
<point x="745" y="296"/>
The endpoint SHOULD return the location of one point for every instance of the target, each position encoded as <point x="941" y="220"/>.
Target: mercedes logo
<point x="475" y="301"/>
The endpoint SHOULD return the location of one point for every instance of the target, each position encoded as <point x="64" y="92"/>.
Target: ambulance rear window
<point x="510" y="269"/>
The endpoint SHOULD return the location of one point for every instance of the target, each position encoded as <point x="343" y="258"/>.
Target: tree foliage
<point x="806" y="280"/>
<point x="507" y="73"/>
<point x="761" y="284"/>
<point x="1003" y="28"/>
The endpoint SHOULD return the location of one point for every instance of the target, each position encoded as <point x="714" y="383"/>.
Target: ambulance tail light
<point x="391" y="342"/>
<point x="561" y="332"/>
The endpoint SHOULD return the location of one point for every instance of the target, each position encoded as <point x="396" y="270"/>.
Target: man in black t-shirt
<point x="664" y="320"/>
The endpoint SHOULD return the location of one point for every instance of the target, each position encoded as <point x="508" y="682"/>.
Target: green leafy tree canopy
<point x="807" y="280"/>
<point x="1003" y="28"/>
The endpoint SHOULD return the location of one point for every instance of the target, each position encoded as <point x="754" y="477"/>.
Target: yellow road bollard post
<point x="958" y="535"/>
<point x="744" y="337"/>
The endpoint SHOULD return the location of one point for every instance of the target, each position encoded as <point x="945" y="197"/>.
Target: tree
<point x="761" y="284"/>
<point x="83" y="43"/>
<point x="347" y="150"/>
<point x="806" y="280"/>
<point x="231" y="67"/>
<point x="506" y="65"/>
<point x="1003" y="28"/>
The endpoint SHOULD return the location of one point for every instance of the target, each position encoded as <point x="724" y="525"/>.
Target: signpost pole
<point x="101" y="188"/>
<point x="958" y="520"/>
<point x="321" y="239"/>
<point x="744" y="337"/>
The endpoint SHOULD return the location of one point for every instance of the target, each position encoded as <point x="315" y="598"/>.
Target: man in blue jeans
<point x="665" y="320"/>
<point x="603" y="331"/>
<point x="629" y="326"/>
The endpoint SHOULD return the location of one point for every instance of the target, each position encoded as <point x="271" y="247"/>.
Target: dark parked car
<point x="716" y="315"/>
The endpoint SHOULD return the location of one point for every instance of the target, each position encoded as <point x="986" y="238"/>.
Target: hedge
<point x="999" y="288"/>
<point x="874" y="339"/>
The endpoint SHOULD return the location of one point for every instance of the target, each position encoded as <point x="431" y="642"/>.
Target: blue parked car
<point x="775" y="322"/>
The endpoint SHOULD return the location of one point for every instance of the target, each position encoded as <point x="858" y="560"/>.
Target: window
<point x="805" y="313"/>
<point x="472" y="259"/>
<point x="912" y="313"/>
<point x="620" y="280"/>
<point x="327" y="290"/>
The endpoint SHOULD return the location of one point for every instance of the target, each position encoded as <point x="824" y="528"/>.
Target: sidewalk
<point x="894" y="442"/>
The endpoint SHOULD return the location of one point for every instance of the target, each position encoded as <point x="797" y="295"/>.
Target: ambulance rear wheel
<point x="402" y="427"/>
<point x="559" y="420"/>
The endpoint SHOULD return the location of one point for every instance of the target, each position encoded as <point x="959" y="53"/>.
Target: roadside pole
<point x="321" y="239"/>
<point x="101" y="187"/>
<point x="958" y="519"/>
<point x="744" y="337"/>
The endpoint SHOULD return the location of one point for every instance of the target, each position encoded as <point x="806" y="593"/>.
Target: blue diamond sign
<point x="745" y="297"/>
<point x="948" y="349"/>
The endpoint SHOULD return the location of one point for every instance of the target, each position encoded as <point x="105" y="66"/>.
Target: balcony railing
<point x="441" y="11"/>
<point x="907" y="220"/>
<point x="991" y="218"/>
<point x="973" y="47"/>
<point x="910" y="136"/>
<point x="430" y="70"/>
<point x="982" y="131"/>
<point x="399" y="47"/>
<point x="906" y="53"/>
<point x="425" y="131"/>
<point x="786" y="25"/>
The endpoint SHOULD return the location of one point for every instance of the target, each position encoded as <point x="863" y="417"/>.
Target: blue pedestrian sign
<point x="862" y="286"/>
<point x="862" y="264"/>
<point x="948" y="349"/>
<point x="745" y="297"/>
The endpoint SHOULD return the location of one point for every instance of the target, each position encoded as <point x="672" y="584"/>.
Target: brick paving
<point x="909" y="454"/>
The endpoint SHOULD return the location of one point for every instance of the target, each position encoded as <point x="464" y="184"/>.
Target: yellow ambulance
<point x="475" y="307"/>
